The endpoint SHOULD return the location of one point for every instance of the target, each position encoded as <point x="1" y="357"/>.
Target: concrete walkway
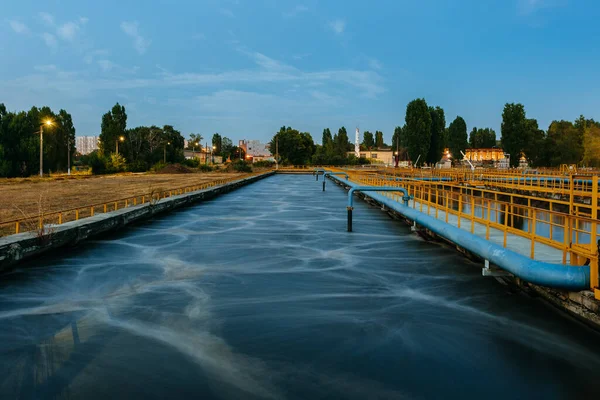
<point x="518" y="244"/>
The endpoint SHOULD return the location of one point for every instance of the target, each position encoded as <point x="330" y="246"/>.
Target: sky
<point x="244" y="68"/>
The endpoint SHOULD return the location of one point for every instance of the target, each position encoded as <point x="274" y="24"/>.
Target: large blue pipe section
<point x="572" y="278"/>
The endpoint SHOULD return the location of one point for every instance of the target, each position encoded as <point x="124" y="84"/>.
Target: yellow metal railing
<point x="574" y="234"/>
<point x="45" y="221"/>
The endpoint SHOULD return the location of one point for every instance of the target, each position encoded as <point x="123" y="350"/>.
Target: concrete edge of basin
<point x="17" y="248"/>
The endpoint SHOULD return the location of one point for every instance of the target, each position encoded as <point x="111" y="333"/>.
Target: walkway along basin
<point x="261" y="293"/>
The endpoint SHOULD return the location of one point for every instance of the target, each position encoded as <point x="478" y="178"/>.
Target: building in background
<point x="256" y="151"/>
<point x="86" y="144"/>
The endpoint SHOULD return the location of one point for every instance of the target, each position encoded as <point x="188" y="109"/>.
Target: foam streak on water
<point x="262" y="294"/>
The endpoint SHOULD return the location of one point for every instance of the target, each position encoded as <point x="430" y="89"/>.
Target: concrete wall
<point x="22" y="246"/>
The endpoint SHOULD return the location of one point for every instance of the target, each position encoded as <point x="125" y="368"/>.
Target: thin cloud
<point x="18" y="27"/>
<point x="50" y="40"/>
<point x="338" y="26"/>
<point x="139" y="42"/>
<point x="299" y="9"/>
<point x="47" y="18"/>
<point x="68" y="31"/>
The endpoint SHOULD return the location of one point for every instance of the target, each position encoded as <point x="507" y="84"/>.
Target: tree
<point x="489" y="138"/>
<point x="534" y="146"/>
<point x="368" y="140"/>
<point x="195" y="141"/>
<point x="438" y="126"/>
<point x="397" y="138"/>
<point x="417" y="129"/>
<point x="114" y="124"/>
<point x="514" y="131"/>
<point x="174" y="144"/>
<point x="341" y="144"/>
<point x="327" y="139"/>
<point x="457" y="137"/>
<point x="379" y="143"/>
<point x="294" y="147"/>
<point x="591" y="140"/>
<point x="227" y="150"/>
<point x="563" y="144"/>
<point x="217" y="142"/>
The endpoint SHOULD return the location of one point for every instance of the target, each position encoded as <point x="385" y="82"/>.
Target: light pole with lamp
<point x="48" y="122"/>
<point x="120" y="139"/>
<point x="165" y="152"/>
<point x="212" y="156"/>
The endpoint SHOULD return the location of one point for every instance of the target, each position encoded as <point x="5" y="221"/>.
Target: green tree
<point x="591" y="140"/>
<point x="175" y="142"/>
<point x="438" y="126"/>
<point x="563" y="144"/>
<point x="514" y="131"/>
<point x="295" y="147"/>
<point x="327" y="139"/>
<point x="227" y="150"/>
<point x="195" y="141"/>
<point x="217" y="142"/>
<point x="379" y="143"/>
<point x="534" y="146"/>
<point x="341" y="143"/>
<point x="457" y="137"/>
<point x="417" y="130"/>
<point x="368" y="140"/>
<point x="397" y="138"/>
<point x="114" y="124"/>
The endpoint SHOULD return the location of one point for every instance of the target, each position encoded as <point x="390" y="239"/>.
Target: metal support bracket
<point x="492" y="271"/>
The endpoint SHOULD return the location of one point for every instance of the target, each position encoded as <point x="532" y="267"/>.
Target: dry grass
<point x="20" y="197"/>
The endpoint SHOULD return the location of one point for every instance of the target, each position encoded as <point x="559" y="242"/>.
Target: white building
<point x="256" y="151"/>
<point x="86" y="144"/>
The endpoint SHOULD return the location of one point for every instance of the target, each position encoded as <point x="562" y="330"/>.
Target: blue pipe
<point x="573" y="278"/>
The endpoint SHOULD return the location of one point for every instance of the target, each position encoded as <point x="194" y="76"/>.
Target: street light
<point x="165" y="152"/>
<point x="212" y="157"/>
<point x="47" y="122"/>
<point x="120" y="139"/>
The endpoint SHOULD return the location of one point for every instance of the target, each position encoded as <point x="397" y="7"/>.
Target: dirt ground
<point x="21" y="197"/>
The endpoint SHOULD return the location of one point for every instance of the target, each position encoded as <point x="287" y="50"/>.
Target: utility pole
<point x="276" y="152"/>
<point x="69" y="156"/>
<point x="41" y="151"/>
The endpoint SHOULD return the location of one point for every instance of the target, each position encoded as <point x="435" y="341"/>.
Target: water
<point x="262" y="293"/>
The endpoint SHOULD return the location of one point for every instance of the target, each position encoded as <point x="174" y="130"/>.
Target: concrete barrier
<point x="23" y="246"/>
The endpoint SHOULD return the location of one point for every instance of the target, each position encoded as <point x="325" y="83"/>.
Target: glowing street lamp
<point x="120" y="139"/>
<point x="165" y="152"/>
<point x="48" y="123"/>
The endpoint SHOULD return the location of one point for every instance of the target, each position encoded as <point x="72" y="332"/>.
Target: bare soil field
<point x="20" y="198"/>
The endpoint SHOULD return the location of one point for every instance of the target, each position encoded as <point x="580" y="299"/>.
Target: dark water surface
<point x="262" y="293"/>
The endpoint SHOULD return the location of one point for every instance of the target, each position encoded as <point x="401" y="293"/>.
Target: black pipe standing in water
<point x="349" y="218"/>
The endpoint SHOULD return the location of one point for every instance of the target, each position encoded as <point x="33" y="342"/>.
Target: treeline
<point x="136" y="149"/>
<point x="424" y="136"/>
<point x="298" y="148"/>
<point x="20" y="141"/>
<point x="564" y="142"/>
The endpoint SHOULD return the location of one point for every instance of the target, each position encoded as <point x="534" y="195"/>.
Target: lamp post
<point x="69" y="156"/>
<point x="165" y="152"/>
<point x="120" y="139"/>
<point x="49" y="123"/>
<point x="212" y="156"/>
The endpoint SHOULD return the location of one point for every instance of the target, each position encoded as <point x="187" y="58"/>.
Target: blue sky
<point x="244" y="68"/>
